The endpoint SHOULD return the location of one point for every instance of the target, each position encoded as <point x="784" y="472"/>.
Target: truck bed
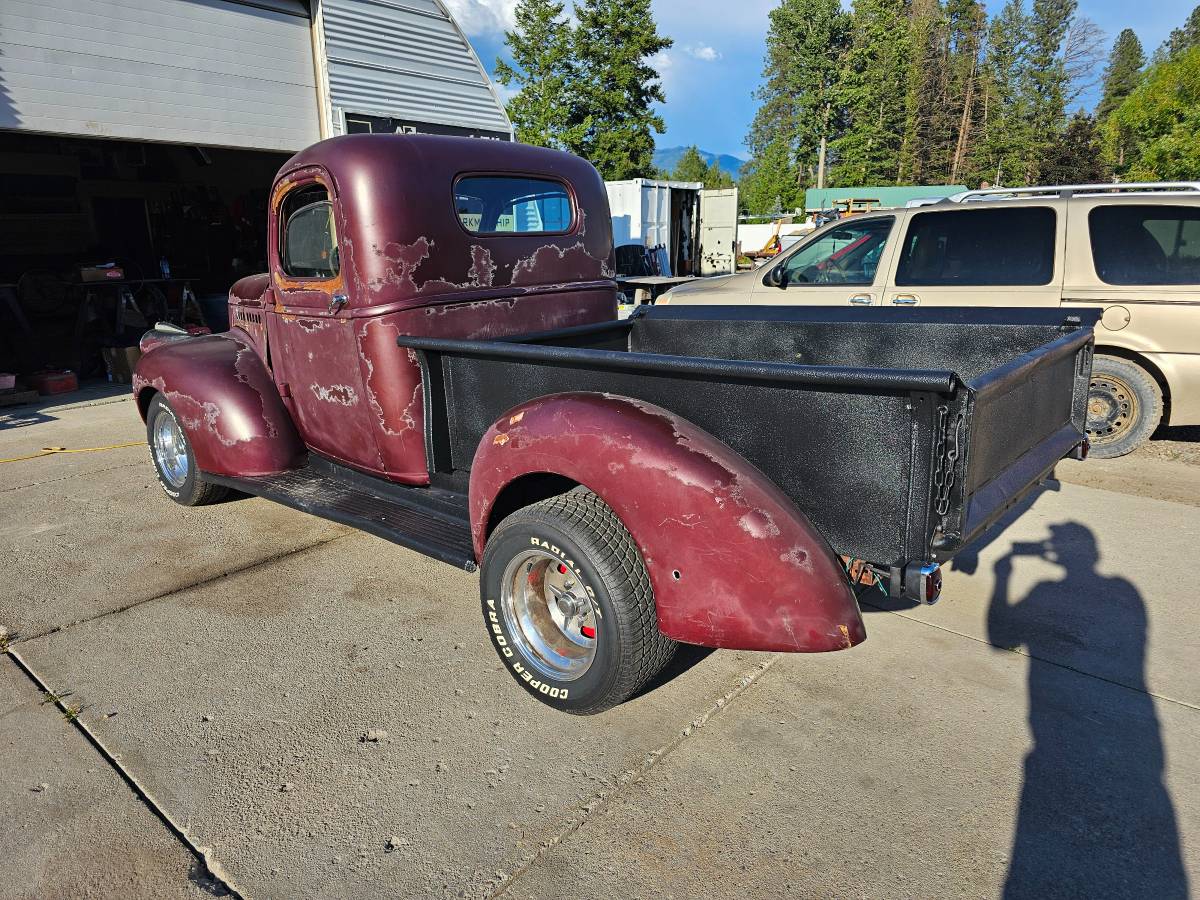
<point x="901" y="434"/>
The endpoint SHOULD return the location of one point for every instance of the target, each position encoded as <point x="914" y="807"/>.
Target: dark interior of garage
<point x="100" y="238"/>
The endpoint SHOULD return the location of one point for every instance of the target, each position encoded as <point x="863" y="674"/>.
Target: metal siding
<point x="405" y="60"/>
<point x="210" y="72"/>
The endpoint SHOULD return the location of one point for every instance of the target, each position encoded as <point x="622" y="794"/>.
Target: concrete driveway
<point x="241" y="699"/>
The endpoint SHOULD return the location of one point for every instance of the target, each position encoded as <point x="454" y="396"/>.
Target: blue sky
<point x="716" y="63"/>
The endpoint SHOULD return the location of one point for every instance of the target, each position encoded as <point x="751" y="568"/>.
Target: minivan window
<point x="847" y="254"/>
<point x="979" y="248"/>
<point x="309" y="245"/>
<point x="1146" y="244"/>
<point x="501" y="204"/>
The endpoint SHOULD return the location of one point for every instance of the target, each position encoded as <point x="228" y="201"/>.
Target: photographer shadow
<point x="1095" y="817"/>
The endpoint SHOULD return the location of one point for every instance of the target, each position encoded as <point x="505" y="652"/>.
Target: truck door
<point x="718" y="231"/>
<point x="314" y="349"/>
<point x="992" y="254"/>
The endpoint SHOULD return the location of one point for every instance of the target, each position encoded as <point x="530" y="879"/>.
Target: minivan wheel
<point x="568" y="604"/>
<point x="1124" y="407"/>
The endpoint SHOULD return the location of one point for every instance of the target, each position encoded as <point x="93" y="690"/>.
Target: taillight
<point x="933" y="585"/>
<point x="923" y="582"/>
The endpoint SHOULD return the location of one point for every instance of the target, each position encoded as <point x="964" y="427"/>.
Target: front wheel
<point x="568" y="604"/>
<point x="1124" y="407"/>
<point x="173" y="458"/>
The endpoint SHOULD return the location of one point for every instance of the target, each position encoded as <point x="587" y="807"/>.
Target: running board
<point x="428" y="520"/>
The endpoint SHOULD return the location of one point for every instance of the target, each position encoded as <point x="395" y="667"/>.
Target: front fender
<point x="731" y="560"/>
<point x="227" y="402"/>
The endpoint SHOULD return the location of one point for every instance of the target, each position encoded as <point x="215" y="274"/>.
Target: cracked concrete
<point x="264" y="645"/>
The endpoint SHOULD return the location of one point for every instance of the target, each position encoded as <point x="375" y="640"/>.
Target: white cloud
<point x="702" y="52"/>
<point x="505" y="91"/>
<point x="480" y="17"/>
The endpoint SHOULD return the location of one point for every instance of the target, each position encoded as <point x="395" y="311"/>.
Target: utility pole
<point x="821" y="164"/>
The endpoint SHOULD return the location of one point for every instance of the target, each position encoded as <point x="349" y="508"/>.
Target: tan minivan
<point x="1132" y="249"/>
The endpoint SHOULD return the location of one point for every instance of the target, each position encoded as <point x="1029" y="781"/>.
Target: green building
<point x="889" y="197"/>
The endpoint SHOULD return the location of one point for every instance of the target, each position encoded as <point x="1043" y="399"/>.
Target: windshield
<point x="849" y="253"/>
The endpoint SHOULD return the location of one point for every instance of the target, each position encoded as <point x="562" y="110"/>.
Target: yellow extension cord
<point x="51" y="451"/>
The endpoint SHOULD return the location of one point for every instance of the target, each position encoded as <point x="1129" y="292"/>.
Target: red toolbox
<point x="53" y="381"/>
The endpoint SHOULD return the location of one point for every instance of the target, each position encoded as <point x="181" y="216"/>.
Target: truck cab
<point x="377" y="236"/>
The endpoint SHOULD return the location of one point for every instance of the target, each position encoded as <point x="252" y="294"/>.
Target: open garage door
<point x="207" y="72"/>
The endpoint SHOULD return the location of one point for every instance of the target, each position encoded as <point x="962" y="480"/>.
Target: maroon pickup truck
<point x="434" y="357"/>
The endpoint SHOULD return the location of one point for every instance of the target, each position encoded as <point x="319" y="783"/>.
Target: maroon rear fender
<point x="732" y="562"/>
<point x="227" y="402"/>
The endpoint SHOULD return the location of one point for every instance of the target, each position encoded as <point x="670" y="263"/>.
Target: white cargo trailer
<point x="692" y="230"/>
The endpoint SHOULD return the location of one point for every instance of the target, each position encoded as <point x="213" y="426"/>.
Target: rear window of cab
<point x="510" y="204"/>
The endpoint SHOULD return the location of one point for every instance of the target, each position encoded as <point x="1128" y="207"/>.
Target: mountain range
<point x="666" y="158"/>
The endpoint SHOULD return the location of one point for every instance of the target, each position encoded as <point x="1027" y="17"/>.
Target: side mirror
<point x="778" y="276"/>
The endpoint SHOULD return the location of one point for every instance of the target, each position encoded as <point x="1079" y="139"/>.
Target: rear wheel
<point x="173" y="458"/>
<point x="569" y="606"/>
<point x="1124" y="407"/>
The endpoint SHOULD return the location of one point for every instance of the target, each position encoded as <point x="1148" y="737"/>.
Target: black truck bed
<point x="901" y="434"/>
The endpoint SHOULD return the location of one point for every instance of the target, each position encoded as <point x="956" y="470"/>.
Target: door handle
<point x="336" y="302"/>
<point x="862" y="299"/>
<point x="904" y="299"/>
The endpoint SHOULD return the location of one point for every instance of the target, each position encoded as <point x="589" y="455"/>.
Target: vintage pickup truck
<point x="434" y="358"/>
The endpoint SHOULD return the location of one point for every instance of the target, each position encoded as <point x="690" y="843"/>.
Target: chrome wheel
<point x="170" y="450"/>
<point x="1112" y="408"/>
<point x="550" y="613"/>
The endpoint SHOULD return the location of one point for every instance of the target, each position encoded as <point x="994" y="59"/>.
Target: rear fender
<point x="731" y="560"/>
<point x="226" y="401"/>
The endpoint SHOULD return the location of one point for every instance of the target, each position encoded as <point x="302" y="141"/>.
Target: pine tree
<point x="769" y="184"/>
<point x="691" y="166"/>
<point x="924" y="90"/>
<point x="1181" y="39"/>
<point x="1076" y="157"/>
<point x="544" y="71"/>
<point x="716" y="177"/>
<point x="1000" y="155"/>
<point x="872" y="89"/>
<point x="1123" y="73"/>
<point x="799" y="111"/>
<point x="966" y="29"/>
<point x="617" y="86"/>
<point x="1047" y="78"/>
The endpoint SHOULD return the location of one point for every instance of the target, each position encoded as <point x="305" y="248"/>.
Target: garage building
<point x="146" y="133"/>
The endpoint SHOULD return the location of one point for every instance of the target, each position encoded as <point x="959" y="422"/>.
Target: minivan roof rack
<point x="1076" y="190"/>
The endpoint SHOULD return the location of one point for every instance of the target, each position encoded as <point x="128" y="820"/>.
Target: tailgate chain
<point x="943" y="473"/>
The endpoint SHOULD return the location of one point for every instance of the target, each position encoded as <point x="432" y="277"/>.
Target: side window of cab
<point x="308" y="246"/>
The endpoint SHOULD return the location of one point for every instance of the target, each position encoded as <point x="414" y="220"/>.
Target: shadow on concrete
<point x="686" y="656"/>
<point x="1095" y="818"/>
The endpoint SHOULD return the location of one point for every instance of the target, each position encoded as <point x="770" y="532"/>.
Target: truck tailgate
<point x="1020" y="419"/>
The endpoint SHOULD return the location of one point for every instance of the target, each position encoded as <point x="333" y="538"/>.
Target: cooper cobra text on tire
<point x="568" y="604"/>
<point x="173" y="458"/>
<point x="1125" y="405"/>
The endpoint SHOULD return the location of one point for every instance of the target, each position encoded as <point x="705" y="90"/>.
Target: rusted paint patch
<point x="482" y="268"/>
<point x="341" y="394"/>
<point x="513" y="420"/>
<point x="500" y="440"/>
<point x="845" y="630"/>
<point x="405" y="258"/>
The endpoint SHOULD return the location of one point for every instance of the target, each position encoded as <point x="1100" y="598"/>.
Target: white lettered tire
<point x="568" y="604"/>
